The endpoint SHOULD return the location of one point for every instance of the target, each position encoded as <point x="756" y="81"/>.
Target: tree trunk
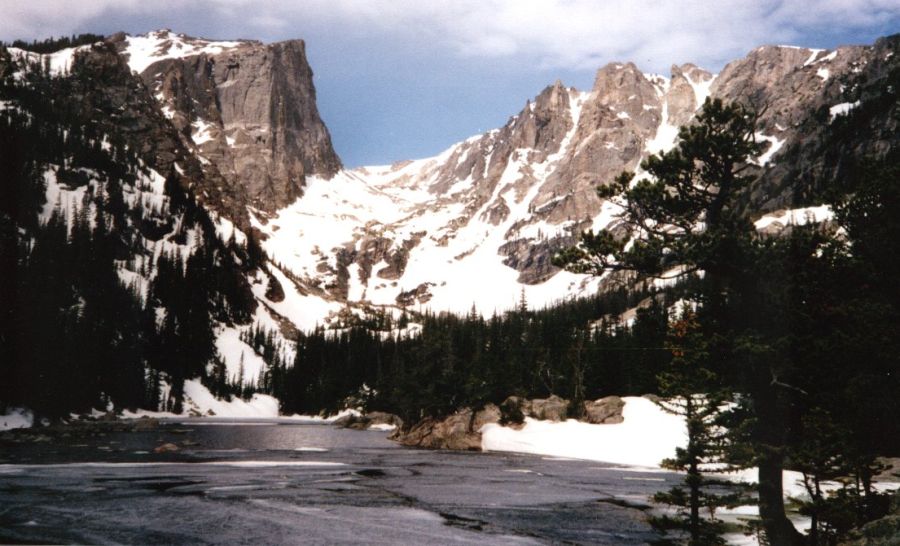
<point x="779" y="530"/>
<point x="695" y="503"/>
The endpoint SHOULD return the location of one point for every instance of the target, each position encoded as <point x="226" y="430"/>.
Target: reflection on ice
<point x="13" y="468"/>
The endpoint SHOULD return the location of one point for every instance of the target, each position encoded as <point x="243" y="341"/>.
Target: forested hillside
<point x="114" y="277"/>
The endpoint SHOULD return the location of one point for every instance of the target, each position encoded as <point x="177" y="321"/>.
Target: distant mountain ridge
<point x="235" y="125"/>
<point x="479" y="223"/>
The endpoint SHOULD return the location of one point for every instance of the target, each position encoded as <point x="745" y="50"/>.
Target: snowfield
<point x="155" y="46"/>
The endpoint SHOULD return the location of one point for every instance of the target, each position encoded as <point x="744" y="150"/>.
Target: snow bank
<point x="16" y="418"/>
<point x="646" y="437"/>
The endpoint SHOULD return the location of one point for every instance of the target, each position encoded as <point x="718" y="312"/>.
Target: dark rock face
<point x="112" y="97"/>
<point x="268" y="108"/>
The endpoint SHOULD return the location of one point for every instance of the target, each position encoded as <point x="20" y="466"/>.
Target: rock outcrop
<point x="247" y="108"/>
<point x="553" y="408"/>
<point x="462" y="430"/>
<point x="369" y="420"/>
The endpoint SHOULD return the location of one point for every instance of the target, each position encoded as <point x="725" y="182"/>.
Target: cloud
<point x="573" y="34"/>
<point x="44" y="18"/>
<point x="569" y="34"/>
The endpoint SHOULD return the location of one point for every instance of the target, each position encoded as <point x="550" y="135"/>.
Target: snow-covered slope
<point x="477" y="225"/>
<point x="143" y="50"/>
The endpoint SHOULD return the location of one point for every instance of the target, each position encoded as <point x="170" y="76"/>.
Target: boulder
<point x="168" y="447"/>
<point x="349" y="421"/>
<point x="486" y="415"/>
<point x="459" y="431"/>
<point x="605" y="411"/>
<point x="549" y="409"/>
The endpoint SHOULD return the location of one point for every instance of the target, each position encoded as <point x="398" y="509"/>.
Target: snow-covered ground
<point x="454" y="251"/>
<point x="60" y="62"/>
<point x="199" y="399"/>
<point x="16" y="418"/>
<point x="647" y="436"/>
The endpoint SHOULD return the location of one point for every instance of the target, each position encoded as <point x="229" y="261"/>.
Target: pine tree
<point x="688" y="215"/>
<point x="690" y="389"/>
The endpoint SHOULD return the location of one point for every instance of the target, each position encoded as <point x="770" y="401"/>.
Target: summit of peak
<point x="145" y="49"/>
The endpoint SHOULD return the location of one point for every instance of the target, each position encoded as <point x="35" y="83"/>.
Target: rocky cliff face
<point x="246" y="108"/>
<point x="479" y="223"/>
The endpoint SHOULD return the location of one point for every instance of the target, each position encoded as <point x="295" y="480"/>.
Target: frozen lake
<point x="265" y="482"/>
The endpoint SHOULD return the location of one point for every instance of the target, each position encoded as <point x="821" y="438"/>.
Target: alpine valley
<point x="179" y="238"/>
<point x="212" y="155"/>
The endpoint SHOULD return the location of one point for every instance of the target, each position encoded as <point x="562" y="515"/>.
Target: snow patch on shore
<point x="16" y="418"/>
<point x="647" y="436"/>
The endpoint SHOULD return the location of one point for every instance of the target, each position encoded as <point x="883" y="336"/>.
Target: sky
<point x="405" y="79"/>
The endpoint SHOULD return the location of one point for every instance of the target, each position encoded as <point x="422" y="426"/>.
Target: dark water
<point x="275" y="483"/>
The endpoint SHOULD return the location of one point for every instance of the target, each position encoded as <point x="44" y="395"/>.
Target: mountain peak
<point x="247" y="109"/>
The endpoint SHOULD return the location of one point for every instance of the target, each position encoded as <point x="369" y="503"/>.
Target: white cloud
<point x="44" y="18"/>
<point x="573" y="34"/>
<point x="576" y="33"/>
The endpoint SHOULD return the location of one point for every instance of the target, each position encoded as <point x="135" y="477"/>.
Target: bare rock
<point x="418" y="295"/>
<point x="250" y="111"/>
<point x="550" y="409"/>
<point x="366" y="421"/>
<point x="146" y="423"/>
<point x="604" y="411"/>
<point x="487" y="415"/>
<point x="384" y="418"/>
<point x="459" y="431"/>
<point x="167" y="447"/>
